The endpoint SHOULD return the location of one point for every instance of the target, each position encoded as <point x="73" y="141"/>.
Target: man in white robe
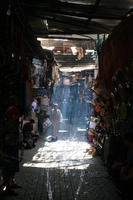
<point x="56" y="118"/>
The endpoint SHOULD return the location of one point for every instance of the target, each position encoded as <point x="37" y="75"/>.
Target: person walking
<point x="56" y="118"/>
<point x="11" y="150"/>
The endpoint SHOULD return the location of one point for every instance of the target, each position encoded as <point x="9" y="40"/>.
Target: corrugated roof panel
<point x="117" y="3"/>
<point x="81" y="2"/>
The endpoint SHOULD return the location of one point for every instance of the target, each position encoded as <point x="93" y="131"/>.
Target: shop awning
<point x="68" y="17"/>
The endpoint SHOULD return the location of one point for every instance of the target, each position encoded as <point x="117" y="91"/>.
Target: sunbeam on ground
<point x="61" y="154"/>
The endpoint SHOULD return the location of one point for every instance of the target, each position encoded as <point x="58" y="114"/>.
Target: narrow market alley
<point x="66" y="100"/>
<point x="64" y="170"/>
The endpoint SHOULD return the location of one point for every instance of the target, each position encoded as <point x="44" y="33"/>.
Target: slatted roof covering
<point x="61" y="17"/>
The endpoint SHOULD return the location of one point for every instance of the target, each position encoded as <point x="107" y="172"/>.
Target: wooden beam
<point x="88" y="11"/>
<point x="70" y="23"/>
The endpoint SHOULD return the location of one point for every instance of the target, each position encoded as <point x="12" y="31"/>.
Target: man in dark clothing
<point x="10" y="158"/>
<point x="29" y="138"/>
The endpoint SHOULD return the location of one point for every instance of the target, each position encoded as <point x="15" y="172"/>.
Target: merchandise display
<point x="114" y="101"/>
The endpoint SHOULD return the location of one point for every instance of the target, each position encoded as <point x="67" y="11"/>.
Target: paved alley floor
<point x="64" y="170"/>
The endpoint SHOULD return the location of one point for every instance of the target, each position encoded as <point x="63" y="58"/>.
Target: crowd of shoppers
<point x="74" y="99"/>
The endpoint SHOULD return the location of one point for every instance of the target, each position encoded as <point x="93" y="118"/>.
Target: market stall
<point x="114" y="97"/>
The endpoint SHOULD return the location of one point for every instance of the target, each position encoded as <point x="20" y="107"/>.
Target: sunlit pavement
<point x="64" y="170"/>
